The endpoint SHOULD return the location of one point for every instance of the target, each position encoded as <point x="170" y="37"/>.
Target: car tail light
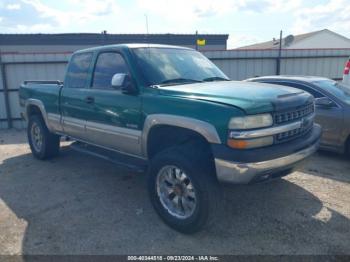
<point x="347" y="68"/>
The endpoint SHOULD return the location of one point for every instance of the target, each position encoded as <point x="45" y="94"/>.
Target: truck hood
<point x="251" y="97"/>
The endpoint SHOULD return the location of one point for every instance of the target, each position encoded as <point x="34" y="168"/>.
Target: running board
<point x="131" y="163"/>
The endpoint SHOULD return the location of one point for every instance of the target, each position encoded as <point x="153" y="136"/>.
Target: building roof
<point x="105" y="39"/>
<point x="286" y="41"/>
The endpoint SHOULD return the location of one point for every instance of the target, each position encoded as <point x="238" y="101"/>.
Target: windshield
<point x="170" y="66"/>
<point x="338" y="90"/>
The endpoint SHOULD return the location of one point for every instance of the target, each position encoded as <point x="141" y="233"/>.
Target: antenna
<point x="146" y="17"/>
<point x="147" y="33"/>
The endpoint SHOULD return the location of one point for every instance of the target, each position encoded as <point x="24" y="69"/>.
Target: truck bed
<point x="47" y="92"/>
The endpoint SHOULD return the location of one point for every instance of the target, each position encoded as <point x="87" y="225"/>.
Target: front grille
<point x="302" y="113"/>
<point x="292" y="134"/>
<point x="289" y="116"/>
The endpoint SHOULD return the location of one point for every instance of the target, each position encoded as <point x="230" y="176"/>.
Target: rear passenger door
<point x="75" y="96"/>
<point x="114" y="117"/>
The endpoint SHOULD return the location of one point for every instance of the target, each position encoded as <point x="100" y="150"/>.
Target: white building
<point x="314" y="40"/>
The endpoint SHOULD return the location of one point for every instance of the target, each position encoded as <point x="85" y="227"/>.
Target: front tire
<point x="42" y="142"/>
<point x="183" y="189"/>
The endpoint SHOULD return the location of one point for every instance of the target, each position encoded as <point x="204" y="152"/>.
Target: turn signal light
<point x="250" y="143"/>
<point x="239" y="144"/>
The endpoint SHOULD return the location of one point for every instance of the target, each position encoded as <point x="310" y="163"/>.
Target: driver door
<point x="114" y="118"/>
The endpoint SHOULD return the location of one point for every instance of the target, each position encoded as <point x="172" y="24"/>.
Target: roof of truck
<point x="131" y="46"/>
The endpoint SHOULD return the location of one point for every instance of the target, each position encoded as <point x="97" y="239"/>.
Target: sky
<point x="246" y="21"/>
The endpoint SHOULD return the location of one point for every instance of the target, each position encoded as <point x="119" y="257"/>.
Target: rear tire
<point x="184" y="172"/>
<point x="42" y="142"/>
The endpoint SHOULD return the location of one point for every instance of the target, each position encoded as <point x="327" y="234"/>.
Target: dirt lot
<point x="76" y="204"/>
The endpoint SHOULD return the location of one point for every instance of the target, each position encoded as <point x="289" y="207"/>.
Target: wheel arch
<point x="35" y="107"/>
<point x="161" y="131"/>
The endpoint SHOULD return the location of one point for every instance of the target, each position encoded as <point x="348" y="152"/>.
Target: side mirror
<point x="324" y="102"/>
<point x="118" y="80"/>
<point x="124" y="82"/>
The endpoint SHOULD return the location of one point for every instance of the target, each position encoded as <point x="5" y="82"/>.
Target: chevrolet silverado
<point x="172" y="113"/>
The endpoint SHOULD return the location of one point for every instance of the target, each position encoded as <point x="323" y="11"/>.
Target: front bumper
<point x="245" y="172"/>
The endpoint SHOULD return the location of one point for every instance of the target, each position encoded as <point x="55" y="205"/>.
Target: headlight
<point x="250" y="122"/>
<point x="250" y="143"/>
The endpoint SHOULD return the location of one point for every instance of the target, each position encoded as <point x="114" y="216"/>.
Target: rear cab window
<point x="78" y="70"/>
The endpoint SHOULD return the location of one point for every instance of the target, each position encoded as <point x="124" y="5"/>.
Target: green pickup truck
<point x="171" y="112"/>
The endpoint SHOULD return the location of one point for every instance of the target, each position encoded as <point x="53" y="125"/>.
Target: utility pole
<point x="278" y="61"/>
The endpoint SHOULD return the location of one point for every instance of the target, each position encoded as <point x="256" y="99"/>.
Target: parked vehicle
<point x="332" y="107"/>
<point x="346" y="74"/>
<point x="171" y="111"/>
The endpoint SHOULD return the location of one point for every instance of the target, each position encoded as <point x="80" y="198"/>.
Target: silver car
<point x="332" y="107"/>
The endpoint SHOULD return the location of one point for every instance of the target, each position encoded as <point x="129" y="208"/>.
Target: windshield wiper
<point x="215" y="78"/>
<point x="175" y="81"/>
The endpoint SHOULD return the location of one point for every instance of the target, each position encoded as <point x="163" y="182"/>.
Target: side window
<point x="303" y="87"/>
<point x="107" y="65"/>
<point x="78" y="70"/>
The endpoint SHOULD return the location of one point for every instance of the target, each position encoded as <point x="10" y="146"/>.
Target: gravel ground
<point x="77" y="204"/>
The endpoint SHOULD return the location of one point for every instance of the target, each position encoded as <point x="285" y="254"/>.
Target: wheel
<point x="183" y="188"/>
<point x="42" y="142"/>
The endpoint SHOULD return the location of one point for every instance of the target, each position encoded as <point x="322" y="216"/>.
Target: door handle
<point x="89" y="99"/>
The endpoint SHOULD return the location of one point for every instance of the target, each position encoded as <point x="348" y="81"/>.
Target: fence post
<point x="6" y="93"/>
